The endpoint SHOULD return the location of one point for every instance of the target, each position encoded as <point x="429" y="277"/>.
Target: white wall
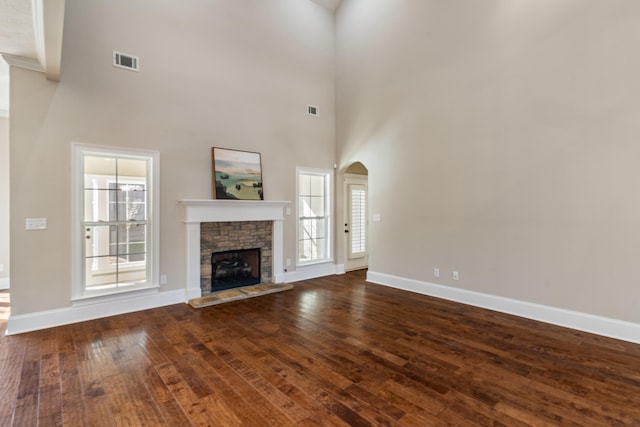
<point x="4" y="202"/>
<point x="4" y="88"/>
<point x="4" y="174"/>
<point x="226" y="73"/>
<point x="501" y="139"/>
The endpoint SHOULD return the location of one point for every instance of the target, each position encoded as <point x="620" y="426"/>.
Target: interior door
<point x="357" y="227"/>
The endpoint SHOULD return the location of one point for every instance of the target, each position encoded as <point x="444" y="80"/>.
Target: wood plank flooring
<point x="335" y="351"/>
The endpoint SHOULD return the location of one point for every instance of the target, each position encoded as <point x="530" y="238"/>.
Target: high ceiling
<point x="31" y="38"/>
<point x="17" y="35"/>
<point x="24" y="27"/>
<point x="16" y="28"/>
<point x="16" y="39"/>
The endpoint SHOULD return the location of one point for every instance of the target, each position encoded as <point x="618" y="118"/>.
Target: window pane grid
<point x="313" y="219"/>
<point x="115" y="222"/>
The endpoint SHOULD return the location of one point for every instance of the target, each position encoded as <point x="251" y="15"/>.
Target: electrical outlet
<point x="436" y="272"/>
<point x="163" y="279"/>
<point x="456" y="275"/>
<point x="288" y="262"/>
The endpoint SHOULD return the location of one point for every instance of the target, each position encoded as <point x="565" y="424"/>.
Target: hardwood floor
<point x="333" y="351"/>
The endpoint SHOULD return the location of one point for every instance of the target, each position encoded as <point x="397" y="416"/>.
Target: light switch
<point x="36" y="223"/>
<point x="376" y="217"/>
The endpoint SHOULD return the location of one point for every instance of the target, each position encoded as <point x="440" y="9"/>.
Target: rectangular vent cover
<point x="123" y="60"/>
<point x="313" y="110"/>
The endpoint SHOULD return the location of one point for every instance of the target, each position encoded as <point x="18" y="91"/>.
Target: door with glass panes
<point x="356" y="223"/>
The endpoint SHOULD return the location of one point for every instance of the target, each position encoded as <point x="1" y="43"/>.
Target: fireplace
<point x="235" y="268"/>
<point x="199" y="213"/>
<point x="242" y="242"/>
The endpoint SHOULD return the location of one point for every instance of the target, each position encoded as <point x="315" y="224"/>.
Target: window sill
<point x="107" y="296"/>
<point x="313" y="263"/>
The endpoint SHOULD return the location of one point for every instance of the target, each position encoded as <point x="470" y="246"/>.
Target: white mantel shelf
<point x="197" y="211"/>
<point x="207" y="210"/>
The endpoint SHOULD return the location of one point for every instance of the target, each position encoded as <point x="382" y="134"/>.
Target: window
<point x="314" y="216"/>
<point x="115" y="198"/>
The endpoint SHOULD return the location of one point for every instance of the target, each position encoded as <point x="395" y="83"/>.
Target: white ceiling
<point x="17" y="39"/>
<point x="21" y="30"/>
<point x="16" y="28"/>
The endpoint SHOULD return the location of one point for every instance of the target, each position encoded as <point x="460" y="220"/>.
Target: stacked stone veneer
<point x="228" y="236"/>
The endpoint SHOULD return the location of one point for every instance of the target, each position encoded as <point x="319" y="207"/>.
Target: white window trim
<point x="78" y="151"/>
<point x="330" y="202"/>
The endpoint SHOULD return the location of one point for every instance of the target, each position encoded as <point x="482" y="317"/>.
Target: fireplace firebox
<point x="235" y="268"/>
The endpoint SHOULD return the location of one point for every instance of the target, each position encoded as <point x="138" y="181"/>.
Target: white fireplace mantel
<point x="197" y="211"/>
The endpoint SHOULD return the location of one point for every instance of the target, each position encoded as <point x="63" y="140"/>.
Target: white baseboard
<point x="18" y="324"/>
<point x="48" y="319"/>
<point x="4" y="283"/>
<point x="599" y="325"/>
<point x="312" y="272"/>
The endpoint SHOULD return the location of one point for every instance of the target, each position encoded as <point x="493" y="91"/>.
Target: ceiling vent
<point x="313" y="110"/>
<point x="123" y="60"/>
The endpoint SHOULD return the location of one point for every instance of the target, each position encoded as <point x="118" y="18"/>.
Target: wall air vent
<point x="123" y="60"/>
<point x="313" y="110"/>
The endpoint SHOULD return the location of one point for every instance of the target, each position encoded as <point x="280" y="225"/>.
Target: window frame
<point x="79" y="291"/>
<point x="329" y="216"/>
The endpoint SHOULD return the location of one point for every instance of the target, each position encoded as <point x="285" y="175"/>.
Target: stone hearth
<point x="237" y="294"/>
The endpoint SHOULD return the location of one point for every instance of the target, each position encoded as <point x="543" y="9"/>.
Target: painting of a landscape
<point x="237" y="174"/>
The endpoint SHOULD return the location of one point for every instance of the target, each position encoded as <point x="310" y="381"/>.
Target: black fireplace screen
<point x="236" y="268"/>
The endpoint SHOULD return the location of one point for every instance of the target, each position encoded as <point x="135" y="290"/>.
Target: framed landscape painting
<point x="237" y="174"/>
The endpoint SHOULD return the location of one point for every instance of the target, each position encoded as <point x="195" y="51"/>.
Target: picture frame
<point x="237" y="174"/>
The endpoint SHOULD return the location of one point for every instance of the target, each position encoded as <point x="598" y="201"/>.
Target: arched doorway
<point x="356" y="223"/>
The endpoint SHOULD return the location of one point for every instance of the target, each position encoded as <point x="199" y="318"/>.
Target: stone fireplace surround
<point x="247" y="240"/>
<point x="198" y="211"/>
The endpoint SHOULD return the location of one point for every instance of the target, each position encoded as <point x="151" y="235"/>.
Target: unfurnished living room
<point x="319" y="213"/>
